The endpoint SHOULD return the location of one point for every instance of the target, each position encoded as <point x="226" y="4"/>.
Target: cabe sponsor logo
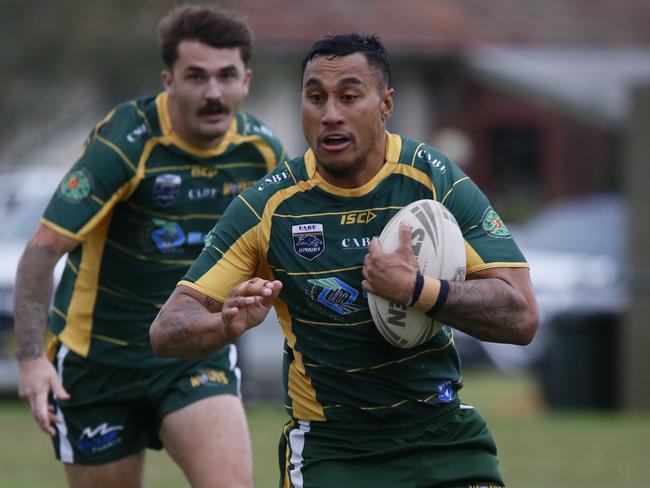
<point x="202" y="193"/>
<point x="353" y="243"/>
<point x="273" y="180"/>
<point x="136" y="133"/>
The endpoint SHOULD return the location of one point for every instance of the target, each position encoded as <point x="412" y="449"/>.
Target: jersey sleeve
<point x="488" y="242"/>
<point x="103" y="175"/>
<point x="231" y="253"/>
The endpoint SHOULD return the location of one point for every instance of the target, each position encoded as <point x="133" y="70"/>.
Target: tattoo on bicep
<point x="32" y="299"/>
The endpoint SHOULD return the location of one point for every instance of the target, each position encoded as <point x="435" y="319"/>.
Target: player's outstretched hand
<point x="248" y="304"/>
<point x="391" y="275"/>
<point x="37" y="378"/>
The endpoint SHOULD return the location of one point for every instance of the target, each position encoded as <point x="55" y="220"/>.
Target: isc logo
<point x="357" y="217"/>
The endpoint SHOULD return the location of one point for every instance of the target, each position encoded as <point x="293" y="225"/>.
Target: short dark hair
<point x="345" y="44"/>
<point x="208" y="25"/>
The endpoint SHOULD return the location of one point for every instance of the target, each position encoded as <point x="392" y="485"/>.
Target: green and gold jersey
<point x="140" y="202"/>
<point x="295" y="227"/>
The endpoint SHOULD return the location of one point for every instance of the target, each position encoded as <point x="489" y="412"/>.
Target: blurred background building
<point x="541" y="103"/>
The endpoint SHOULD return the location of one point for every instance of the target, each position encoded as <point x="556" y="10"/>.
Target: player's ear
<point x="248" y="74"/>
<point x="386" y="107"/>
<point x="167" y="79"/>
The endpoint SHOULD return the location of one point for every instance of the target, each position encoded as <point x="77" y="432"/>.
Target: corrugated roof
<point x="424" y="25"/>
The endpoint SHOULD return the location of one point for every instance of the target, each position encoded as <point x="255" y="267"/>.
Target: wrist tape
<point x="417" y="291"/>
<point x="429" y="294"/>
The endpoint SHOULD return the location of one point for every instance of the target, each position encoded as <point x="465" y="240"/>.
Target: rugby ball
<point x="439" y="248"/>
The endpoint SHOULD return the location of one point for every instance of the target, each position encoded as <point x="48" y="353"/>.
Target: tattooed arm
<point x="192" y="325"/>
<point x="496" y="305"/>
<point x="33" y="294"/>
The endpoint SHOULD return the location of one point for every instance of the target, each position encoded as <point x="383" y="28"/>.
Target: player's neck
<point x="358" y="175"/>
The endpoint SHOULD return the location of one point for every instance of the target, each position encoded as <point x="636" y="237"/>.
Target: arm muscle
<point x="34" y="289"/>
<point x="496" y="305"/>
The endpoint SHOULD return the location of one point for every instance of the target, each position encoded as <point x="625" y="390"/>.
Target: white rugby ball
<point x="439" y="247"/>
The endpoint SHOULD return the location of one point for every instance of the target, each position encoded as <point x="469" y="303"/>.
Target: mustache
<point x="213" y="108"/>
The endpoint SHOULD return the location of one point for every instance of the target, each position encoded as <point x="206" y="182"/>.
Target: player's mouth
<point x="335" y="141"/>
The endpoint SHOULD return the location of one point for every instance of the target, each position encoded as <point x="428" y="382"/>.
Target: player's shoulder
<point x="282" y="178"/>
<point x="424" y="156"/>
<point x="129" y="125"/>
<point x="276" y="180"/>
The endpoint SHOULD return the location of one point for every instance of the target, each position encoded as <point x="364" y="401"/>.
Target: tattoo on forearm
<point x="209" y="303"/>
<point x="32" y="300"/>
<point x="485" y="309"/>
<point x="181" y="337"/>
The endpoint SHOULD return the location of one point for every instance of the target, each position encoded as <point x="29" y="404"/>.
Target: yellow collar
<point x="393" y="149"/>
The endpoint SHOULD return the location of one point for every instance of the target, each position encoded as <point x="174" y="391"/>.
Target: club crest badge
<point x="308" y="240"/>
<point x="75" y="186"/>
<point x="166" y="189"/>
<point x="493" y="225"/>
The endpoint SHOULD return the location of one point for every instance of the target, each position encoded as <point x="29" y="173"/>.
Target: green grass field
<point x="537" y="447"/>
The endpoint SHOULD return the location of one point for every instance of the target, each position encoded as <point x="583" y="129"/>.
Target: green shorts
<point x="451" y="448"/>
<point x="116" y="412"/>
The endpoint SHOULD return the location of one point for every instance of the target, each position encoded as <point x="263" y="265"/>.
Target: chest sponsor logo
<point x="166" y="189"/>
<point x="204" y="171"/>
<point x="273" y="179"/>
<point x="236" y="187"/>
<point x="202" y="193"/>
<point x="357" y="217"/>
<point x="75" y="186"/>
<point x="335" y="294"/>
<point x="100" y="438"/>
<point x="168" y="236"/>
<point x="436" y="163"/>
<point x="194" y="238"/>
<point x="259" y="129"/>
<point x="355" y="243"/>
<point x="136" y="133"/>
<point x="493" y="225"/>
<point x="308" y="240"/>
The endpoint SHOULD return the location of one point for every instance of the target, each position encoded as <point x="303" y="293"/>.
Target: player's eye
<point x="228" y="75"/>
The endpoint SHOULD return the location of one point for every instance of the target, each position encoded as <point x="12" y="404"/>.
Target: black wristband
<point x="442" y="299"/>
<point x="417" y="291"/>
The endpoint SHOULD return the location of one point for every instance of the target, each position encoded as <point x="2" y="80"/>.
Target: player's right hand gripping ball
<point x="439" y="247"/>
